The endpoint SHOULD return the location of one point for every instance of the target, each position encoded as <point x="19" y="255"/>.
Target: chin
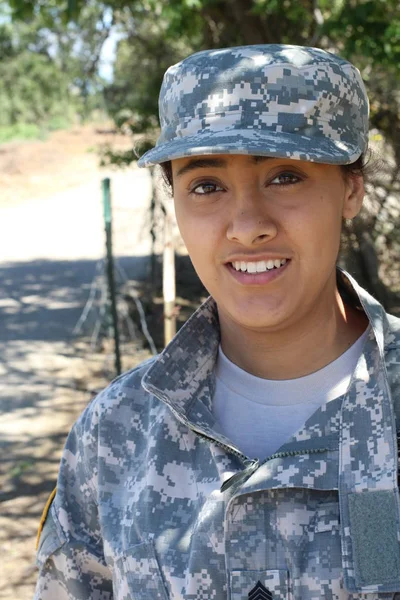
<point x="257" y="317"/>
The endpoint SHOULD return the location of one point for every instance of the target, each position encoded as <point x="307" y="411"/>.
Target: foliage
<point x="19" y="131"/>
<point x="49" y="69"/>
<point x="32" y="88"/>
<point x="39" y="90"/>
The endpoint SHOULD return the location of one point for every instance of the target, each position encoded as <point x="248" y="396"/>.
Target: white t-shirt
<point x="259" y="415"/>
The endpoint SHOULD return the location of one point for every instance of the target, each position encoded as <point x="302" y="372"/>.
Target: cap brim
<point x="255" y="142"/>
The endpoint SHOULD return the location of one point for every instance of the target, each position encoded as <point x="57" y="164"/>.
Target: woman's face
<point x="263" y="233"/>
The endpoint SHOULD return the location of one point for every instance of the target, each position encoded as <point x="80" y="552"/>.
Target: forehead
<point x="184" y="165"/>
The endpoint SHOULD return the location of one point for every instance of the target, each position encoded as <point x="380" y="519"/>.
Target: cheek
<point x="197" y="227"/>
<point x="195" y="233"/>
<point x="184" y="221"/>
<point x="317" y="228"/>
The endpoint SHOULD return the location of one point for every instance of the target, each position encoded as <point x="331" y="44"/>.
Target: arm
<point x="70" y="551"/>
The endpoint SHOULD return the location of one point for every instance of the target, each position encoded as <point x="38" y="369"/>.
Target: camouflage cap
<point x="268" y="100"/>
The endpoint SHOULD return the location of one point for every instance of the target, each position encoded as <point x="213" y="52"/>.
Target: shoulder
<point x="123" y="396"/>
<point x="392" y="339"/>
<point x="393" y="328"/>
<point x="129" y="383"/>
<point x="112" y="424"/>
<point x="103" y="436"/>
<point x="110" y="433"/>
<point x="392" y="362"/>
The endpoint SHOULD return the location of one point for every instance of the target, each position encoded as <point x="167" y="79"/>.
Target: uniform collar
<point x="362" y="300"/>
<point x="184" y="371"/>
<point x="186" y="365"/>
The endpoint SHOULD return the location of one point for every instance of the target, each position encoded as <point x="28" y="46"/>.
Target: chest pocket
<point x="321" y="551"/>
<point x="137" y="575"/>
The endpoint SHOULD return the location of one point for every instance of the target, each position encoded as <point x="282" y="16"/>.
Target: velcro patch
<point x="374" y="533"/>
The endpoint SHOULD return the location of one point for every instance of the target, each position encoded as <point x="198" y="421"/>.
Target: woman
<point x="256" y="456"/>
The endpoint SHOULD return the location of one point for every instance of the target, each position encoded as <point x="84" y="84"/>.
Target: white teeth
<point x="260" y="266"/>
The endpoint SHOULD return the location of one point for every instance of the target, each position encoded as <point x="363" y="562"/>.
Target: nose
<point x="250" y="223"/>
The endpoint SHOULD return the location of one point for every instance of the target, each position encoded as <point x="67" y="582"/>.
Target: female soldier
<point x="256" y="456"/>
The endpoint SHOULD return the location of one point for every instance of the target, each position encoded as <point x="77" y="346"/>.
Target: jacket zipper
<point x="251" y="465"/>
<point x="229" y="449"/>
<point x="243" y="476"/>
<point x="245" y="458"/>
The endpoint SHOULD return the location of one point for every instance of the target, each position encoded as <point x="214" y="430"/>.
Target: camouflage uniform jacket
<point x="154" y="503"/>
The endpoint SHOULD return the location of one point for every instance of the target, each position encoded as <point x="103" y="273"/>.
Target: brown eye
<point x="285" y="178"/>
<point x="206" y="188"/>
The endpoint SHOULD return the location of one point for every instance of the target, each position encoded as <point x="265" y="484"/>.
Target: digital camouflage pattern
<point x="273" y="100"/>
<point x="139" y="513"/>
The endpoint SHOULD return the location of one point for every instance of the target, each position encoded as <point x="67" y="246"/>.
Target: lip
<point x="257" y="278"/>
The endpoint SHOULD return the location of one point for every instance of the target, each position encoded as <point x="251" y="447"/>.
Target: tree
<point x="49" y="68"/>
<point x="32" y="87"/>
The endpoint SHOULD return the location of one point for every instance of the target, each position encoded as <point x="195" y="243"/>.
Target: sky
<point x="107" y="56"/>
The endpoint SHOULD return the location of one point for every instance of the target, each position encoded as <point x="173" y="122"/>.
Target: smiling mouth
<point x="262" y="266"/>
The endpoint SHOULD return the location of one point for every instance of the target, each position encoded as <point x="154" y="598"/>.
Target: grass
<point x="19" y="131"/>
<point x="20" y="468"/>
<point x="31" y="131"/>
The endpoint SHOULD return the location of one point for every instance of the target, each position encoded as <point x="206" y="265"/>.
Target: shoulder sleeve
<point x="392" y="359"/>
<point x="70" y="550"/>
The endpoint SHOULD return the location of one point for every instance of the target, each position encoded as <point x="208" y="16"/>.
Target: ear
<point x="354" y="196"/>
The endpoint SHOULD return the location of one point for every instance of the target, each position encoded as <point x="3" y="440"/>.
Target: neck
<point x="297" y="350"/>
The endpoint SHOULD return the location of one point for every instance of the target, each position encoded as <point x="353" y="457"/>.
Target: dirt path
<point x="51" y="241"/>
<point x="38" y="169"/>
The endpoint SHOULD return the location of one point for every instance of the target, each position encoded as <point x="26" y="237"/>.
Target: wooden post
<point x="110" y="271"/>
<point x="169" y="282"/>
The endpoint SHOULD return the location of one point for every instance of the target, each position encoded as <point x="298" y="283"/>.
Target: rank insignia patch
<point x="260" y="592"/>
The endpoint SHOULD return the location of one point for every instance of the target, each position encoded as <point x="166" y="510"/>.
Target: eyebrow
<point x="206" y="163"/>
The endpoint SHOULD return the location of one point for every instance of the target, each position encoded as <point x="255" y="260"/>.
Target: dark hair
<point x="166" y="169"/>
<point x="359" y="167"/>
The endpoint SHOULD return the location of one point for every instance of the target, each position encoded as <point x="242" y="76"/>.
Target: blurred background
<point x="79" y="86"/>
